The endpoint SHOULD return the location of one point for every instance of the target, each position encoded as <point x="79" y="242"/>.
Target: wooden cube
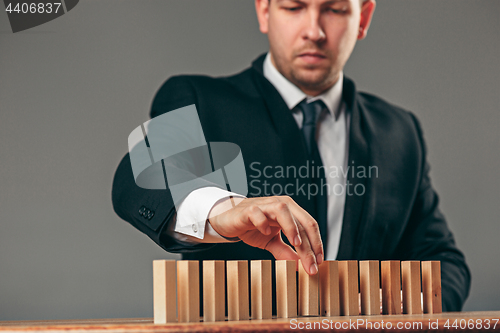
<point x="410" y="276"/>
<point x="188" y="290"/>
<point x="391" y="287"/>
<point x="348" y="288"/>
<point x="164" y="291"/>
<point x="238" y="307"/>
<point x="308" y="293"/>
<point x="329" y="288"/>
<point x="214" y="291"/>
<point x="286" y="289"/>
<point x="261" y="289"/>
<point x="369" y="286"/>
<point x="431" y="286"/>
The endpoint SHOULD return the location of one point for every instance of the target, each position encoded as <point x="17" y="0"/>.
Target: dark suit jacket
<point x="397" y="217"/>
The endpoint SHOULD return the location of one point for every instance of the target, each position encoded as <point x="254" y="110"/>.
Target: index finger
<point x="310" y="226"/>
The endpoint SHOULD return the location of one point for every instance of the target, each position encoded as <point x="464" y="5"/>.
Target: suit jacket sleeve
<point x="128" y="198"/>
<point x="427" y="237"/>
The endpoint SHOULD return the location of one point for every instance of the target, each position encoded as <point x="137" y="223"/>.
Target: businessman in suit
<point x="292" y="111"/>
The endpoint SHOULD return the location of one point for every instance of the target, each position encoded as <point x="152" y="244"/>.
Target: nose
<point x="313" y="29"/>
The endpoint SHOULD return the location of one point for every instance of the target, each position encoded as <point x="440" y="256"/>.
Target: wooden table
<point x="472" y="321"/>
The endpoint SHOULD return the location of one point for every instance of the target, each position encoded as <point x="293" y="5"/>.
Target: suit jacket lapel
<point x="358" y="157"/>
<point x="294" y="149"/>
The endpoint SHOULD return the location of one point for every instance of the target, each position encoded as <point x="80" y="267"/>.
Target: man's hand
<point x="258" y="222"/>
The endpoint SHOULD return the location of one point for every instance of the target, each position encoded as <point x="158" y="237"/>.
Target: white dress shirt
<point x="332" y="135"/>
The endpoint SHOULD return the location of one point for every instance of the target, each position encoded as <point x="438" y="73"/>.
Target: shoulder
<point x="382" y="112"/>
<point x="391" y="130"/>
<point x="182" y="90"/>
<point x="382" y="116"/>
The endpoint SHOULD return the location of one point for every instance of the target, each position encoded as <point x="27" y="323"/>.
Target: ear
<point x="262" y="9"/>
<point x="367" y="9"/>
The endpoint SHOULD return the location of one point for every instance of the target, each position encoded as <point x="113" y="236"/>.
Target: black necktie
<point x="311" y="113"/>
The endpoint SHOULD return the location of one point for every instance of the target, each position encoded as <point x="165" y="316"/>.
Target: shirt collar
<point x="292" y="95"/>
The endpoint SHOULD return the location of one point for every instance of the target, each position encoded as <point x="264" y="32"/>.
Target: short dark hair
<point x="360" y="1"/>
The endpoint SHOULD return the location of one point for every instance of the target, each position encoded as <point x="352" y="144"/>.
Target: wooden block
<point x="348" y="288"/>
<point x="369" y="286"/>
<point x="188" y="290"/>
<point x="431" y="286"/>
<point x="261" y="289"/>
<point x="214" y="291"/>
<point x="164" y="291"/>
<point x="329" y="288"/>
<point x="286" y="289"/>
<point x="410" y="276"/>
<point x="391" y="287"/>
<point x="238" y="307"/>
<point x="308" y="293"/>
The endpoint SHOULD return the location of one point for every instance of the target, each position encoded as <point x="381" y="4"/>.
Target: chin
<point x="313" y="79"/>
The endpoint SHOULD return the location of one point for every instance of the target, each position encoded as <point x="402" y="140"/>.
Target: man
<point x="294" y="109"/>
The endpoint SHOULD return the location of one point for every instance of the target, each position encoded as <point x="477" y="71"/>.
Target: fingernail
<point x="268" y="230"/>
<point x="297" y="241"/>
<point x="319" y="258"/>
<point x="314" y="269"/>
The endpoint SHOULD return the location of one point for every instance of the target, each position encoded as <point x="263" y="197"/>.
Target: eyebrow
<point x="325" y="3"/>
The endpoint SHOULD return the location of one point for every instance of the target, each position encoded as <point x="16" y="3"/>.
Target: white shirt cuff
<point x="192" y="213"/>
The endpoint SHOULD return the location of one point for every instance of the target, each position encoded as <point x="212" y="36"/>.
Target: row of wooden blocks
<point x="340" y="288"/>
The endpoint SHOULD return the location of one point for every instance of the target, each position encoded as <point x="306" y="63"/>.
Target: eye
<point x="292" y="9"/>
<point x="338" y="10"/>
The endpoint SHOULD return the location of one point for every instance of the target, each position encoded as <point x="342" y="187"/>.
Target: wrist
<point x="216" y="214"/>
<point x="214" y="234"/>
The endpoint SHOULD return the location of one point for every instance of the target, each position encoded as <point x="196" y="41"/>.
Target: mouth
<point x="312" y="57"/>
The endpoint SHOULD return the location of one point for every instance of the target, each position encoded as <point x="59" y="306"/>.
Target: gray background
<point x="73" y="89"/>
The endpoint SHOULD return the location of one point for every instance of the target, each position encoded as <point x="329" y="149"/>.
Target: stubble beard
<point x="308" y="78"/>
<point x="312" y="79"/>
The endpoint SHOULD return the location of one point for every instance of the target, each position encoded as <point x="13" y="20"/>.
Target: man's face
<point x="311" y="40"/>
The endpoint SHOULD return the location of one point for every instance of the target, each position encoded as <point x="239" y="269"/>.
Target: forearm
<point x="129" y="200"/>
